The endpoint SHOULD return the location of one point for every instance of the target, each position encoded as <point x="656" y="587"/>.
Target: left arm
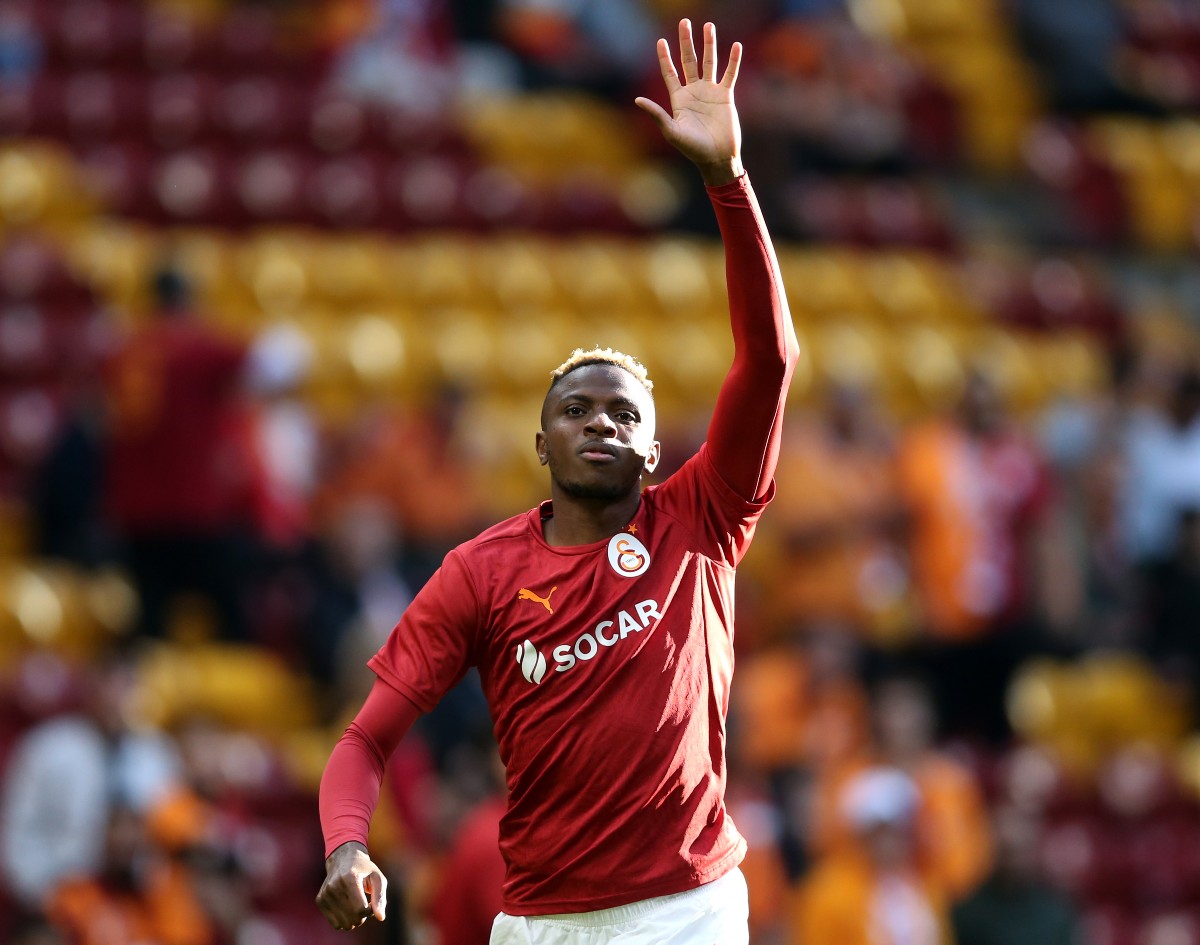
<point x="744" y="435"/>
<point x="743" y="438"/>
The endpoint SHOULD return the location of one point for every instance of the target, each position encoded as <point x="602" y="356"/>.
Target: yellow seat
<point x="599" y="277"/>
<point x="274" y="267"/>
<point x="239" y="685"/>
<point x="824" y="284"/>
<point x="351" y="271"/>
<point x="930" y="375"/>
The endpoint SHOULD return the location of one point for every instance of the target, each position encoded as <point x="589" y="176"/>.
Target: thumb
<point x="376" y="888"/>
<point x="654" y="110"/>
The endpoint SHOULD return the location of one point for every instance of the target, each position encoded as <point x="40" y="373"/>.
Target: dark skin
<point x="597" y="437"/>
<point x="595" y="491"/>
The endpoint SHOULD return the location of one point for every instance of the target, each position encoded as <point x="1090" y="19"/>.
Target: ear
<point x="653" y="455"/>
<point x="540" y="446"/>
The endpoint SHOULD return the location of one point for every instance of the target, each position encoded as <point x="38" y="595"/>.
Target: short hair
<point x="581" y="358"/>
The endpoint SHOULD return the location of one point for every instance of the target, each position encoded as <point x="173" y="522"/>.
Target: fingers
<point x="346" y="902"/>
<point x="693" y="70"/>
<point x="654" y="110"/>
<point x="731" y="70"/>
<point x="687" y="52"/>
<point x="708" y="70"/>
<point x="376" y="888"/>
<point x="667" y="67"/>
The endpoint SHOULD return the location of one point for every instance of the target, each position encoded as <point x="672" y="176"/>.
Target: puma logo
<point x="526" y="594"/>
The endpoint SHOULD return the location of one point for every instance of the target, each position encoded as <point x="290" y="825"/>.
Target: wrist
<point x="345" y="851"/>
<point x="721" y="172"/>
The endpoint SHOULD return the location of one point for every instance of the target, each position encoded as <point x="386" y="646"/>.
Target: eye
<point x="626" y="416"/>
<point x="574" y="410"/>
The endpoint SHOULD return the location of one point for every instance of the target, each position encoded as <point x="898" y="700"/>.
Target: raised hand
<point x="703" y="123"/>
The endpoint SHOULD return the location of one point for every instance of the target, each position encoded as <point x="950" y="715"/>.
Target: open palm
<point x="703" y="123"/>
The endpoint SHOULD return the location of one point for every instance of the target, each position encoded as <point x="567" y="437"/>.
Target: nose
<point x="599" y="424"/>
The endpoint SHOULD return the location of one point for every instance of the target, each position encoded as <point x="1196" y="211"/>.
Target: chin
<point x="594" y="490"/>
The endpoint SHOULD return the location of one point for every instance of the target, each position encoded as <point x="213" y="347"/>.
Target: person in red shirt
<point x="601" y="622"/>
<point x="179" y="466"/>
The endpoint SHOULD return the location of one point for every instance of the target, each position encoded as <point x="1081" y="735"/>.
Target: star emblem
<point x="632" y="529"/>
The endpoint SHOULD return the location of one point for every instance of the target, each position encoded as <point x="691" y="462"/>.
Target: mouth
<point x="597" y="452"/>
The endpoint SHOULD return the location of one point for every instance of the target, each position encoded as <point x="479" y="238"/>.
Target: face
<point x="597" y="433"/>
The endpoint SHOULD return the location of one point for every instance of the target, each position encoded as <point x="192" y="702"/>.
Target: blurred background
<point x="280" y="287"/>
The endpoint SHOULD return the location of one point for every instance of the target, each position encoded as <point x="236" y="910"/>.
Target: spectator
<point x="179" y="461"/>
<point x="951" y="835"/>
<point x="838" y="512"/>
<point x="1162" y="458"/>
<point x="139" y="894"/>
<point x="799" y="713"/>
<point x="1015" y="903"/>
<point x="1174" y="603"/>
<point x="875" y="893"/>
<point x="983" y="545"/>
<point x="67" y="774"/>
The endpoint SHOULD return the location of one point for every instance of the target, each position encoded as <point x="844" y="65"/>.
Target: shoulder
<point x="498" y="539"/>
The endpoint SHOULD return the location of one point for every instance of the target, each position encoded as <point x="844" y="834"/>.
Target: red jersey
<point x="607" y="670"/>
<point x="178" y="457"/>
<point x="607" y="666"/>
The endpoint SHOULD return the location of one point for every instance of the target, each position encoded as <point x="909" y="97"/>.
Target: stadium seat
<point x="173" y="42"/>
<point x="193" y="187"/>
<point x="180" y="107"/>
<point x="352" y="271"/>
<point x="348" y="193"/>
<point x="117" y="175"/>
<point x="93" y="33"/>
<point x="272" y="187"/>
<point x="258" y="110"/>
<point x="1109" y="925"/>
<point x="1174" y="927"/>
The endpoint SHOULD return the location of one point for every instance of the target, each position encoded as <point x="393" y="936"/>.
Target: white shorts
<point x="713" y="914"/>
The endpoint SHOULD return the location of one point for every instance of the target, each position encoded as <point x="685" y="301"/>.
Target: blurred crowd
<point x="278" y="281"/>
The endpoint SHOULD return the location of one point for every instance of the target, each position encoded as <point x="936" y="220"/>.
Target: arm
<point x="745" y="431"/>
<point x="354" y="887"/>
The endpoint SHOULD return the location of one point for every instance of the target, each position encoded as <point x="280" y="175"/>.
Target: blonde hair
<point x="581" y="358"/>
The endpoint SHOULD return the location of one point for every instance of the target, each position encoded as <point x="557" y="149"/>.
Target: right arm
<point x="354" y="887"/>
<point x="427" y="653"/>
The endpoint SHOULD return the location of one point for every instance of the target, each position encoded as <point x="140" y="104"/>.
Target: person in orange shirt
<point x="952" y="836"/>
<point x="987" y="552"/>
<point x="140" y="895"/>
<point x="875" y="892"/>
<point x="835" y="537"/>
<point x="799" y="712"/>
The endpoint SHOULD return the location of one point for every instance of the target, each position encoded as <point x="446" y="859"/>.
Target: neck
<point x="585" y="521"/>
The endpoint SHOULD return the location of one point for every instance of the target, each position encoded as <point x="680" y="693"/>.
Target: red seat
<point x="171" y="42"/>
<point x="118" y="175"/>
<point x="93" y="33"/>
<point x="1058" y="157"/>
<point x="194" y="186"/>
<point x="271" y="186"/>
<point x="826" y="210"/>
<point x="347" y="193"/>
<point x="1109" y="925"/>
<point x="900" y="212"/>
<point x="30" y="419"/>
<point x="1089" y="861"/>
<point x="258" y="110"/>
<point x="426" y="192"/>
<point x="338" y="124"/>
<point x="103" y="105"/>
<point x="1176" y="927"/>
<point x="247" y="41"/>
<point x="31" y="270"/>
<point x="26" y="348"/>
<point x="179" y="109"/>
